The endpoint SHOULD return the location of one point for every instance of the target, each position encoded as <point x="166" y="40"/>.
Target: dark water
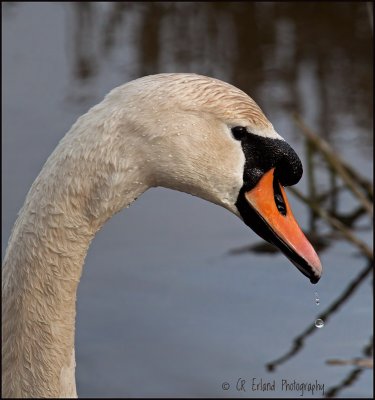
<point x="165" y="308"/>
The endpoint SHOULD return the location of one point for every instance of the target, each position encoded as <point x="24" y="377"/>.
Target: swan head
<point x="207" y="138"/>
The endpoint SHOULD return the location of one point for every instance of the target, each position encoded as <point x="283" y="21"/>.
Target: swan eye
<point x="239" y="132"/>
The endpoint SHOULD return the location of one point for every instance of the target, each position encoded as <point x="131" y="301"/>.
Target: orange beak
<point x="276" y="224"/>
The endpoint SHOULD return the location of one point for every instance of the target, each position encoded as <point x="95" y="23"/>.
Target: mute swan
<point x="182" y="131"/>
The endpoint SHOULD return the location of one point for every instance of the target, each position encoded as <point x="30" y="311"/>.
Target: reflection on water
<point x="85" y="64"/>
<point x="299" y="341"/>
<point x="309" y="58"/>
<point x="263" y="48"/>
<point x="353" y="376"/>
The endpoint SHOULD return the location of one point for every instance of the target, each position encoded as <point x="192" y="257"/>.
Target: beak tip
<point x="313" y="266"/>
<point x="316" y="270"/>
<point x="314" y="279"/>
<point x="313" y="271"/>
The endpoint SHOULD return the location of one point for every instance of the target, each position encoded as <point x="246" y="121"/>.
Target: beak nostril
<point x="280" y="204"/>
<point x="278" y="197"/>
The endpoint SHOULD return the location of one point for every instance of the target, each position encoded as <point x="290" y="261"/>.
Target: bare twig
<point x="336" y="163"/>
<point x="355" y="373"/>
<point x="366" y="185"/>
<point x="335" y="223"/>
<point x="310" y="150"/>
<point x="299" y="341"/>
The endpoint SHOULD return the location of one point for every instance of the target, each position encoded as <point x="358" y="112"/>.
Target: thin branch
<point x="336" y="163"/>
<point x="299" y="341"/>
<point x="335" y="223"/>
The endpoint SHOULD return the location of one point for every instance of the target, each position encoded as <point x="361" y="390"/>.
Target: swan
<point x="186" y="132"/>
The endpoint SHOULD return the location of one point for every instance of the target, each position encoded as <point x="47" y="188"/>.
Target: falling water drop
<point x="317" y="300"/>
<point x="319" y="323"/>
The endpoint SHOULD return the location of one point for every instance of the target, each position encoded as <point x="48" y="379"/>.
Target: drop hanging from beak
<point x="279" y="226"/>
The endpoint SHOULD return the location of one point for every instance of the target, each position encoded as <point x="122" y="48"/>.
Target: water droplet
<point x="317" y="300"/>
<point x="319" y="323"/>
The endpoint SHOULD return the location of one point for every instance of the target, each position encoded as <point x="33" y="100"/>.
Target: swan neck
<point x="41" y="272"/>
<point x="73" y="196"/>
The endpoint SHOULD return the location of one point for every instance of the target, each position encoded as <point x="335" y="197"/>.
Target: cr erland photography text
<point x="256" y="385"/>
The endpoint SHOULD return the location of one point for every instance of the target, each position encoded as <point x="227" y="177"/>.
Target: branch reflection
<point x="353" y="376"/>
<point x="299" y="341"/>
